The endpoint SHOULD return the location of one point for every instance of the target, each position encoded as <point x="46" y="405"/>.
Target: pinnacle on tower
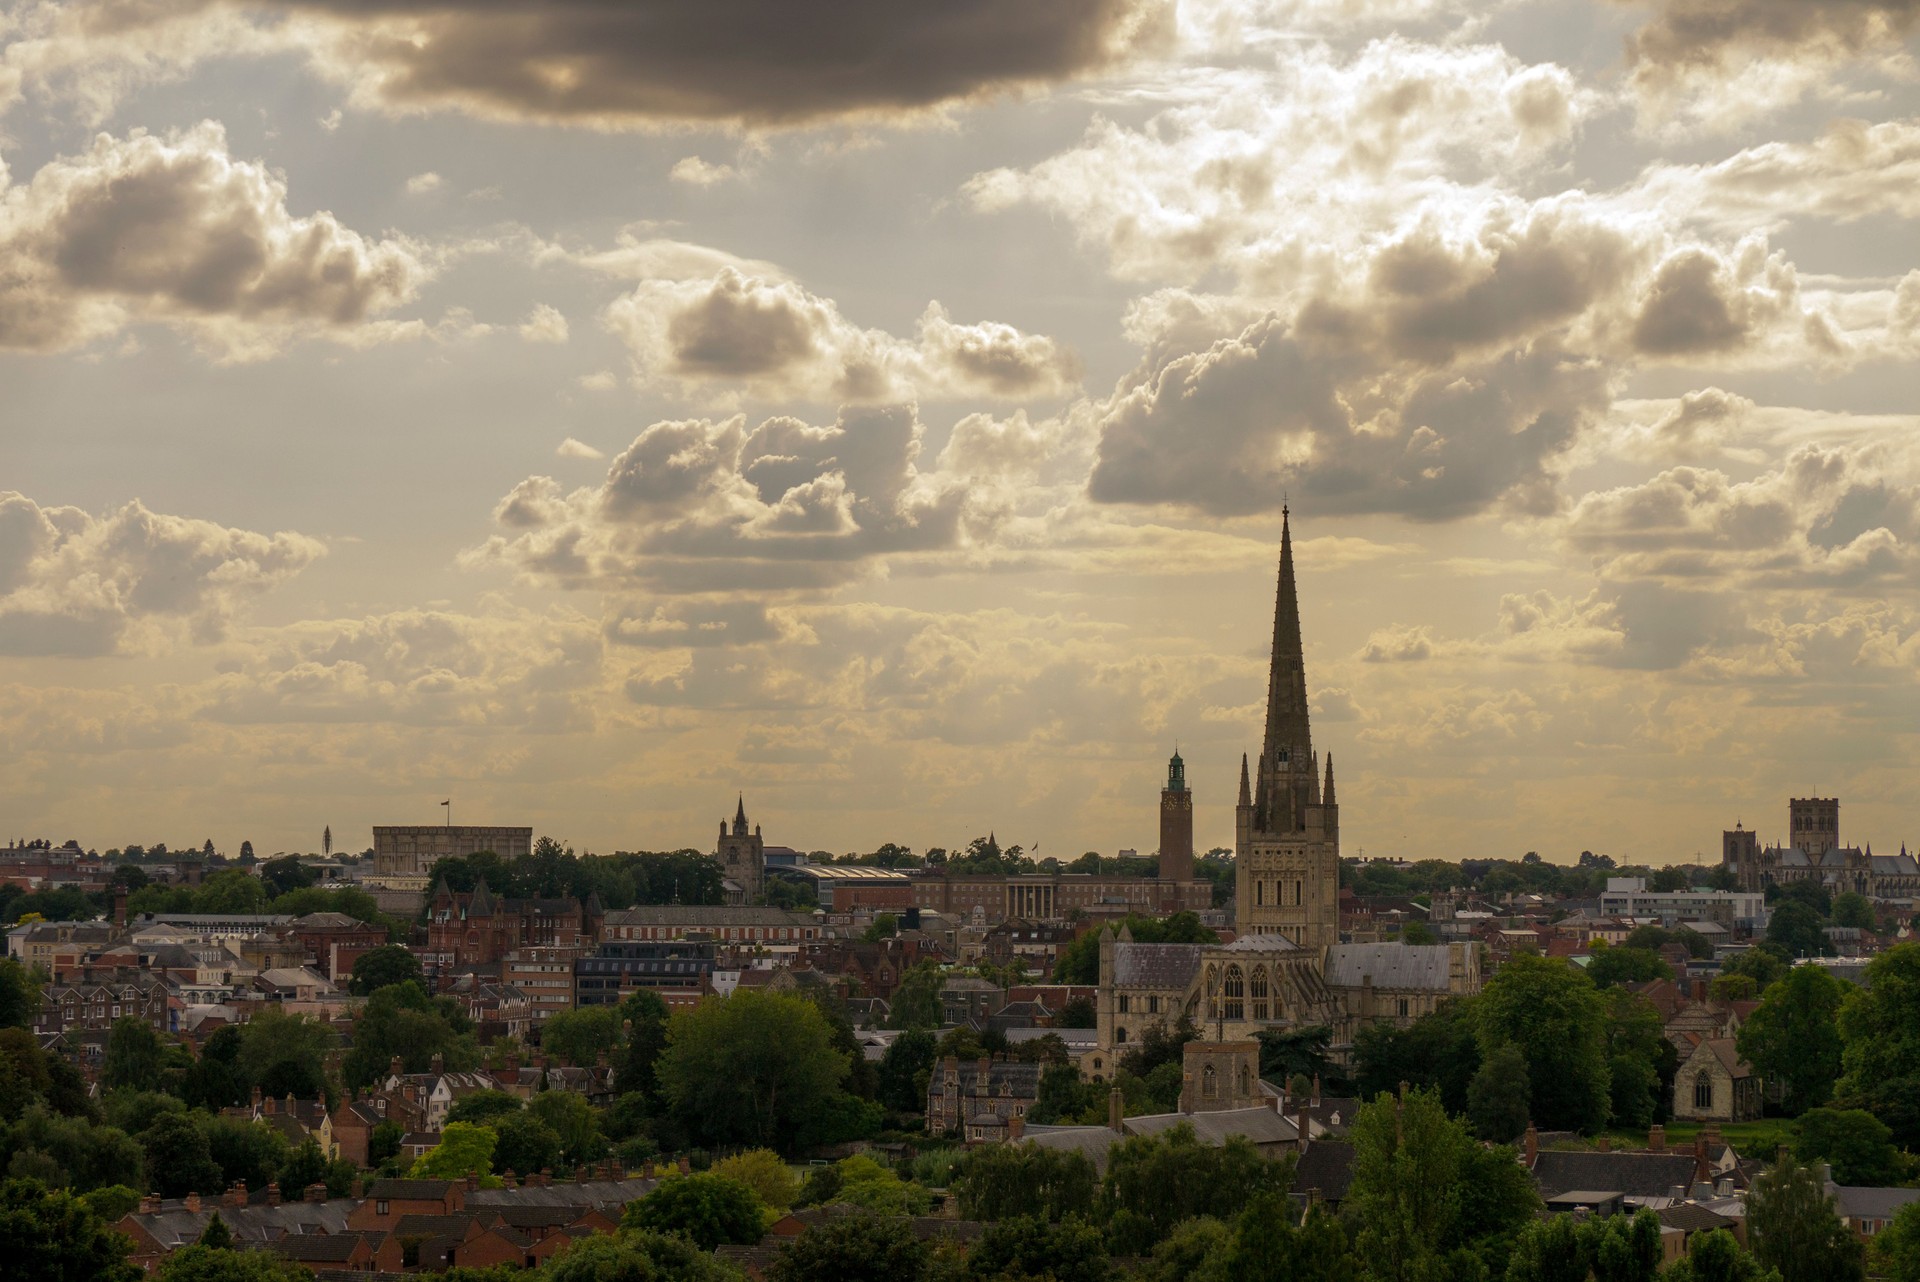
<point x="1288" y="732"/>
<point x="1326" y="794"/>
<point x="1246" y="789"/>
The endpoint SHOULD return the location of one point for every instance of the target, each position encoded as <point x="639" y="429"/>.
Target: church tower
<point x="1287" y="829"/>
<point x="742" y="858"/>
<point x="1176" y="824"/>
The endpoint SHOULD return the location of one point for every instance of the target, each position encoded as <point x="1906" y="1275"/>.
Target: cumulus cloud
<point x="1834" y="518"/>
<point x="544" y="324"/>
<point x="175" y="230"/>
<point x="650" y="62"/>
<point x="703" y="505"/>
<point x="773" y="339"/>
<point x="571" y="448"/>
<point x="75" y="584"/>
<point x="422" y="184"/>
<point x="1854" y="170"/>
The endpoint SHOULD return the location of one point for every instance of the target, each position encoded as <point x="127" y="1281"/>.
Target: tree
<point x="1551" y="1010"/>
<point x="1498" y="1100"/>
<point x="916" y="1002"/>
<point x="402" y="1020"/>
<point x="1896" y="1248"/>
<point x="232" y="891"/>
<point x="464" y="1147"/>
<point x="1624" y="965"/>
<point x="1064" y="1096"/>
<point x="765" y="1172"/>
<point x="1301" y="1052"/>
<point x="1717" y="1257"/>
<point x="1550" y="1250"/>
<point x="1793" y="1038"/>
<point x="135" y="1058"/>
<point x="1079" y="1012"/>
<point x="525" y="1145"/>
<point x="284" y="873"/>
<point x="1028" y="1246"/>
<point x="1796" y="929"/>
<point x="246" y="852"/>
<point x="1853" y="909"/>
<point x="631" y="1257"/>
<point x="579" y="1036"/>
<point x="1641" y="1062"/>
<point x="998" y="1181"/>
<point x="1855" y="1143"/>
<point x="1733" y="988"/>
<point x="883" y="926"/>
<point x="285" y="1054"/>
<point x="643" y="1019"/>
<point x="749" y="1069"/>
<point x="1793" y="1226"/>
<point x="19" y="994"/>
<point x="574" y="1121"/>
<point x="865" y="1183"/>
<point x="852" y="1248"/>
<point x="51" y="1236"/>
<point x="1440" y="1050"/>
<point x="307" y="1165"/>
<point x="1155" y="1181"/>
<point x="485" y="1106"/>
<point x="216" y="1235"/>
<point x="242" y="1149"/>
<point x="904" y="1070"/>
<point x="178" y="1158"/>
<point x="711" y="1209"/>
<point x="387" y="964"/>
<point x="198" y="1263"/>
<point x="1880" y="1028"/>
<point x="1758" y="963"/>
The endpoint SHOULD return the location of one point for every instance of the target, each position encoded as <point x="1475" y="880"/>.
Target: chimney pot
<point x="1016" y="1127"/>
<point x="273" y="1193"/>
<point x="316" y="1193"/>
<point x="1657" y="1139"/>
<point x="193" y="1201"/>
<point x="1530" y="1144"/>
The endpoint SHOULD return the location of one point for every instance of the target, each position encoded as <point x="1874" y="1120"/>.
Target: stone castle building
<point x="1287" y="968"/>
<point x="404" y="855"/>
<point x="1813" y="853"/>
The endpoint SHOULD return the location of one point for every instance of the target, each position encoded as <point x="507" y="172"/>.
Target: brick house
<point x="960" y="1092"/>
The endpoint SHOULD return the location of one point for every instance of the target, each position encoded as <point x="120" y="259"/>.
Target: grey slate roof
<point x="1155" y="965"/>
<point x="1327" y="1165"/>
<point x="321" y="1248"/>
<point x="1418" y="966"/>
<point x="1091" y="1142"/>
<point x="706" y="915"/>
<point x="1865" y="1202"/>
<point x="1259" y="942"/>
<point x="597" y="1193"/>
<point x="1558" y="1171"/>
<point x="1260" y="1125"/>
<point x="252" y="1224"/>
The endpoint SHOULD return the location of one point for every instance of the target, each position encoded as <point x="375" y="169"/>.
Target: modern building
<point x="545" y="975"/>
<point x="1629" y="897"/>
<point x="737" y="924"/>
<point x="680" y="971"/>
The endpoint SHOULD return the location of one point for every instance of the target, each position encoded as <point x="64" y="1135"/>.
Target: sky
<point x="590" y="412"/>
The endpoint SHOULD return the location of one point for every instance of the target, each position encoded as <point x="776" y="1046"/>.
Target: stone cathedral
<point x="1286" y="968"/>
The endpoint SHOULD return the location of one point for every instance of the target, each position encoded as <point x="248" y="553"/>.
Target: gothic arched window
<point x="1233" y="991"/>
<point x="1703" y="1090"/>
<point x="1209" y="1082"/>
<point x="1246" y="1080"/>
<point x="1259" y="992"/>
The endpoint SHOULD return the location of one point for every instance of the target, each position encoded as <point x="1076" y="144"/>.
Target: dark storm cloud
<point x="1713" y="32"/>
<point x="755" y="62"/>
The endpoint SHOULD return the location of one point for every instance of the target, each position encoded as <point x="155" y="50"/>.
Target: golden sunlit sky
<point x="884" y="409"/>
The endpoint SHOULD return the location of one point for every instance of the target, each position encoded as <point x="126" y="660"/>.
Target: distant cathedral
<point x="1286" y="968"/>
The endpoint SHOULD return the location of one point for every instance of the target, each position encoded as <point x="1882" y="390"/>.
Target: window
<point x="1259" y="993"/>
<point x="1403" y="1008"/>
<point x="1260" y="894"/>
<point x="1209" y="1082"/>
<point x="1153" y="1005"/>
<point x="1120" y="1036"/>
<point x="1233" y="991"/>
<point x="1703" y="1090"/>
<point x="1246" y="1080"/>
<point x="1123" y="1003"/>
<point x="380" y="1208"/>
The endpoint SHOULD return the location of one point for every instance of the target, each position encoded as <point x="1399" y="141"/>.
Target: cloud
<point x="175" y="230"/>
<point x="649" y="63"/>
<point x="500" y="668"/>
<point x="1716" y="63"/>
<point x="1854" y="170"/>
<point x="1838" y="518"/>
<point x="1398" y="644"/>
<point x="422" y="184"/>
<point x="75" y="584"/>
<point x="772" y="339"/>
<point x="544" y="324"/>
<point x="703" y="505"/>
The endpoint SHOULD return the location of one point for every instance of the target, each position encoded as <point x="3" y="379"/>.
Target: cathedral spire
<point x="1287" y="729"/>
<point x="740" y="816"/>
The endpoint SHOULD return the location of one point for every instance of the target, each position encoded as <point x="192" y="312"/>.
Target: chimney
<point x="546" y="1176"/>
<point x="1316" y="1090"/>
<point x="1016" y="1128"/>
<point x="237" y="1194"/>
<point x="1700" y="990"/>
<point x="395" y="1067"/>
<point x="1657" y="1139"/>
<point x="439" y="1064"/>
<point x="1530" y="1144"/>
<point x="473" y="1181"/>
<point x="269" y="1105"/>
<point x="1116" y="1109"/>
<point x="315" y="1193"/>
<point x="983" y="1083"/>
<point x="1603" y="1144"/>
<point x="512" y="1180"/>
<point x="1700" y="1157"/>
<point x="1300" y="1122"/>
<point x="193" y="1201"/>
<point x="273" y="1193"/>
<point x="358" y="1189"/>
<point x="256" y="1099"/>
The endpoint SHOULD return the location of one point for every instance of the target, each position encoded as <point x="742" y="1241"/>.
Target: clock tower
<point x="1176" y="824"/>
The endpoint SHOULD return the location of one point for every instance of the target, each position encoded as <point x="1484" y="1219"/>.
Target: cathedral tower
<point x="1287" y="823"/>
<point x="1176" y="824"/>
<point x="742" y="858"/>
